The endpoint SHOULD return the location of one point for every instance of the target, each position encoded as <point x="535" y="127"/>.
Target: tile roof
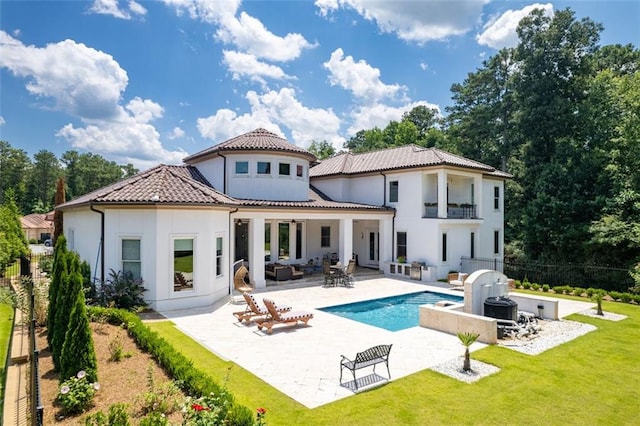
<point x="404" y="157"/>
<point x="162" y="184"/>
<point x="256" y="140"/>
<point x="36" y="221"/>
<point x="175" y="185"/>
<point x="317" y="200"/>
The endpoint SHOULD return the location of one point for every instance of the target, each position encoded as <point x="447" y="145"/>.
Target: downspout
<point x="393" y="220"/>
<point x="224" y="175"/>
<point x="101" y="242"/>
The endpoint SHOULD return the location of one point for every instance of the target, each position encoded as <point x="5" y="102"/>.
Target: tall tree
<point x="12" y="240"/>
<point x="322" y="149"/>
<point x="87" y="172"/>
<point x="15" y="165"/>
<point x="43" y="177"/>
<point x="554" y="68"/>
<point x="57" y="215"/>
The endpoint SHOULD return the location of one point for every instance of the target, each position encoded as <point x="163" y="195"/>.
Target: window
<point x="473" y="245"/>
<point x="264" y="168"/>
<point x="283" y="241"/>
<point x="496" y="242"/>
<point x="496" y="197"/>
<point x="131" y="257"/>
<point x="298" y="241"/>
<point x="182" y="264"/>
<point x="325" y="236"/>
<point x="284" y="169"/>
<point x="401" y="244"/>
<point x="299" y="171"/>
<point x="393" y="191"/>
<point x="242" y="167"/>
<point x="218" y="256"/>
<point x="444" y="247"/>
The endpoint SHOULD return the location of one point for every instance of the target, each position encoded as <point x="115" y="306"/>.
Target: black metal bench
<point x="372" y="356"/>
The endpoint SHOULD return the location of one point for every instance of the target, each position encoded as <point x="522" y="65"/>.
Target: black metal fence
<point x="35" y="400"/>
<point x="585" y="276"/>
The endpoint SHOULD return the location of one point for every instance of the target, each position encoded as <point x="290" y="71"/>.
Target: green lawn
<point x="6" y="321"/>
<point x="591" y="380"/>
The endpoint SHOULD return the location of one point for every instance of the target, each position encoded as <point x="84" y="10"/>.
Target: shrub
<point x="59" y="265"/>
<point x="590" y="292"/>
<point x="615" y="295"/>
<point x="545" y="288"/>
<point x="207" y="410"/>
<point x="625" y="297"/>
<point x="535" y="286"/>
<point x="23" y="295"/>
<point x="239" y="415"/>
<point x="161" y="399"/>
<point x="577" y="291"/>
<point x="122" y="291"/>
<point x="33" y="241"/>
<point x="526" y="285"/>
<point x="46" y="264"/>
<point x="76" y="393"/>
<point x="116" y="349"/>
<point x="154" y="419"/>
<point x="117" y="416"/>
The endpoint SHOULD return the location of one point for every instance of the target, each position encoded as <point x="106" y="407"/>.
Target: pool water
<point x="391" y="313"/>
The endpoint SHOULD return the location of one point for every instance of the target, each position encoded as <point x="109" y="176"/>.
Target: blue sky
<point x="151" y="82"/>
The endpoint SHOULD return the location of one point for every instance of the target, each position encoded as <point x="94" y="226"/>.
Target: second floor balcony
<point x="454" y="211"/>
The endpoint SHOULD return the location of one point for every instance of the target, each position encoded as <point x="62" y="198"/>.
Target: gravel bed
<point x="551" y="334"/>
<point x="453" y="368"/>
<point x="607" y="315"/>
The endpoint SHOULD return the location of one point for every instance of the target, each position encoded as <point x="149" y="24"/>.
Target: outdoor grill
<point x="501" y="308"/>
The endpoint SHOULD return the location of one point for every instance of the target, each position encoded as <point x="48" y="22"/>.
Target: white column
<point x="442" y="193"/>
<point x="256" y="250"/>
<point x="346" y="240"/>
<point x="385" y="226"/>
<point x="477" y="181"/>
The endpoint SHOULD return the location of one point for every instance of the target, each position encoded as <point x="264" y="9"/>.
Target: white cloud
<point x="251" y="36"/>
<point x="368" y="117"/>
<point x="176" y="133"/>
<point x="359" y="78"/>
<point x="501" y="31"/>
<point x="80" y="80"/>
<point x="2" y="120"/>
<point x="243" y="64"/>
<point x="205" y="10"/>
<point x="88" y="84"/>
<point x="414" y="21"/>
<point x="112" y="7"/>
<point x="424" y="66"/>
<point x="270" y="110"/>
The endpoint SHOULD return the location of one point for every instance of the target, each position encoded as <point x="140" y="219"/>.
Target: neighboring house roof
<point x="36" y="221"/>
<point x="404" y="157"/>
<point x="162" y="184"/>
<point x="175" y="185"/>
<point x="257" y="140"/>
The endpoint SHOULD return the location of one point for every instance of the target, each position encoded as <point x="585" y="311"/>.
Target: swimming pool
<point x="391" y="313"/>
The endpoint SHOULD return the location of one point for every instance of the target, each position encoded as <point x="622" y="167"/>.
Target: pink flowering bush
<point x="76" y="393"/>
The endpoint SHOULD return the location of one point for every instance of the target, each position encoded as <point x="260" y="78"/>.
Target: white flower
<point x="96" y="386"/>
<point x="65" y="390"/>
<point x="81" y="374"/>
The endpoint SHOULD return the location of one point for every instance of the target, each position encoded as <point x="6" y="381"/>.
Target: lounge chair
<point x="289" y="318"/>
<point x="241" y="280"/>
<point x="458" y="283"/>
<point x="256" y="309"/>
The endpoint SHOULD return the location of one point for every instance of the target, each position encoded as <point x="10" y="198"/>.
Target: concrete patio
<point x="304" y="362"/>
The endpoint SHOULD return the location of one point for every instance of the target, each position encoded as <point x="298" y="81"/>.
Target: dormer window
<point x="242" y="167"/>
<point x="284" y="169"/>
<point x="264" y="168"/>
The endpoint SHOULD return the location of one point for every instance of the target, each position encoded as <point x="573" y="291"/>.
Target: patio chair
<point x="288" y="318"/>
<point x="347" y="277"/>
<point x="256" y="309"/>
<point x="329" y="274"/>
<point x="241" y="280"/>
<point x="457" y="284"/>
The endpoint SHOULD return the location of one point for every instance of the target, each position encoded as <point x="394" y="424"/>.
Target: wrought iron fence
<point x="612" y="279"/>
<point x="35" y="400"/>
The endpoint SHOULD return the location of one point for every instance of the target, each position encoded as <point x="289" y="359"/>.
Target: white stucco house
<point x="261" y="199"/>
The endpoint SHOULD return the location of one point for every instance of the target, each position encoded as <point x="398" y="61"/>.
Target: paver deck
<point x="303" y="362"/>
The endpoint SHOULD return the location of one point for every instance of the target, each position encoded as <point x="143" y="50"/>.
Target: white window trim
<point x="172" y="270"/>
<point x="264" y="175"/>
<point x="121" y="260"/>
<point x="236" y="174"/>
<point x="222" y="256"/>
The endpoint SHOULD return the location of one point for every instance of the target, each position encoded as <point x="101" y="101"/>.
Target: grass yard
<point x="6" y="322"/>
<point x="590" y="380"/>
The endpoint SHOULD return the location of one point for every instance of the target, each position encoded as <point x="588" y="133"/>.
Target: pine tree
<point x="59" y="264"/>
<point x="67" y="294"/>
<point x="78" y="352"/>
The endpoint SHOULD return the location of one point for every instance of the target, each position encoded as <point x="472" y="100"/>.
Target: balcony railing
<point x="454" y="211"/>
